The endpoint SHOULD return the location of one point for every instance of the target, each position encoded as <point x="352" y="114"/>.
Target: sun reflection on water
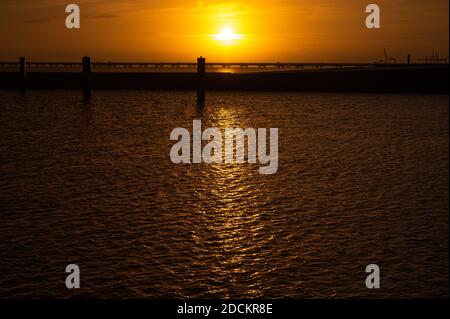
<point x="230" y="230"/>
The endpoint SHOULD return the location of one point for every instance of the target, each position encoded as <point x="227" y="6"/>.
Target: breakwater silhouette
<point x="375" y="78"/>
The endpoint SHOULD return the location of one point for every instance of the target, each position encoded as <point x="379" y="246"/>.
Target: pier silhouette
<point x="297" y="77"/>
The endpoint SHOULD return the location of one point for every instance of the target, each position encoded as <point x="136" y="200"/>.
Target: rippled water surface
<point x="362" y="179"/>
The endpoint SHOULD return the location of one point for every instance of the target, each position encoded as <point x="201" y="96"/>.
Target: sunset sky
<point x="263" y="30"/>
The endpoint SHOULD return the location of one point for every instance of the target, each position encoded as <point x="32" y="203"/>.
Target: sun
<point x="227" y="36"/>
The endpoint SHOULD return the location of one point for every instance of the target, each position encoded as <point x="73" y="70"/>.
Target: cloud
<point x="38" y="20"/>
<point x="104" y="16"/>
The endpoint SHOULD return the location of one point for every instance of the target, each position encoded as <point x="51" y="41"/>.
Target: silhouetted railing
<point x="357" y="77"/>
<point x="186" y="65"/>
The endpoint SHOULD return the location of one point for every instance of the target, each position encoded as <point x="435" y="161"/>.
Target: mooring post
<point x="201" y="70"/>
<point x="86" y="78"/>
<point x="22" y="75"/>
<point x="409" y="58"/>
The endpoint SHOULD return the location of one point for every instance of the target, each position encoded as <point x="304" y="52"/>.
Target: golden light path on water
<point x="229" y="218"/>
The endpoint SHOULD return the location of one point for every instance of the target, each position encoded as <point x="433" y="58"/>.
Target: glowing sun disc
<point x="227" y="35"/>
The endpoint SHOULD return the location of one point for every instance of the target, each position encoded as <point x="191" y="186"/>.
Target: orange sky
<point x="175" y="30"/>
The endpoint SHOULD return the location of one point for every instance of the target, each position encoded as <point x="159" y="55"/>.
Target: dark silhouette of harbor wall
<point x="385" y="79"/>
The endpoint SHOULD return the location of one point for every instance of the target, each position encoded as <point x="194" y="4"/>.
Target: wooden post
<point x="201" y="70"/>
<point x="22" y="75"/>
<point x="86" y="78"/>
<point x="409" y="58"/>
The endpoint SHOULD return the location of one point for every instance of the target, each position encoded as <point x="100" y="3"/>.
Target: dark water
<point x="362" y="179"/>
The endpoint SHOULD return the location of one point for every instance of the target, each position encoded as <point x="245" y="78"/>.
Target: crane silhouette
<point x="388" y="59"/>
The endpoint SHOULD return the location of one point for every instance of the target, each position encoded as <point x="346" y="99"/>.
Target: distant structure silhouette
<point x="22" y="75"/>
<point x="201" y="74"/>
<point x="388" y="59"/>
<point x="86" y="78"/>
<point x="434" y="59"/>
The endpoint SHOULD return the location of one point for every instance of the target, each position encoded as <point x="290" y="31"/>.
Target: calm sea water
<point x="363" y="179"/>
